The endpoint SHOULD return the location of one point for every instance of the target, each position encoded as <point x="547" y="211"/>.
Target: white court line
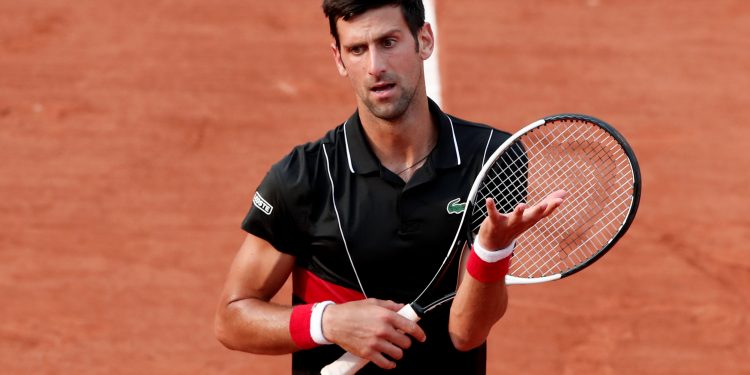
<point x="431" y="69"/>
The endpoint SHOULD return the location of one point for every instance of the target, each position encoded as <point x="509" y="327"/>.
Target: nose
<point x="377" y="63"/>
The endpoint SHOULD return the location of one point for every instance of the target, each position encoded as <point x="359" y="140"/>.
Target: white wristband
<point x="316" y="323"/>
<point x="493" y="256"/>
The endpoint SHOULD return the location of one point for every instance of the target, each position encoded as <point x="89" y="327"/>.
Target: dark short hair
<point x="413" y="11"/>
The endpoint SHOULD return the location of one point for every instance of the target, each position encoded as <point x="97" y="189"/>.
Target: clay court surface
<point x="133" y="135"/>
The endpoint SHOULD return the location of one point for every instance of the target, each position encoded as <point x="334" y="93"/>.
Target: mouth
<point x="382" y="88"/>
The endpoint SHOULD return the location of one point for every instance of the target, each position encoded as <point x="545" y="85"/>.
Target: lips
<point x="383" y="91"/>
<point x="382" y="87"/>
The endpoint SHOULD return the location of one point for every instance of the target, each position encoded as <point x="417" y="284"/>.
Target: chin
<point x="389" y="111"/>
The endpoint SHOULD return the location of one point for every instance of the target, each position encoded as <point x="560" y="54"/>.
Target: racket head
<point x="580" y="154"/>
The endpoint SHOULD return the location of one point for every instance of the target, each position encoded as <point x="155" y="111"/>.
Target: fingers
<point x="394" y="344"/>
<point x="373" y="329"/>
<point x="501" y="228"/>
<point x="558" y="194"/>
<point x="409" y="327"/>
<point x="493" y="232"/>
<point x="537" y="212"/>
<point x="391" y="342"/>
<point x="552" y="205"/>
<point x="381" y="361"/>
<point x="491" y="208"/>
<point x="496" y="216"/>
<point x="383" y="350"/>
<point x="400" y="323"/>
<point x="390" y="305"/>
<point x="517" y="214"/>
<point x="545" y="207"/>
<point x="395" y="341"/>
<point x="553" y="201"/>
<point x="498" y="230"/>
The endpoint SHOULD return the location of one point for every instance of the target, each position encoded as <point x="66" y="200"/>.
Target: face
<point x="382" y="60"/>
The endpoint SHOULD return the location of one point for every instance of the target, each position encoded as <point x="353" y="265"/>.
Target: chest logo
<point x="261" y="203"/>
<point x="455" y="207"/>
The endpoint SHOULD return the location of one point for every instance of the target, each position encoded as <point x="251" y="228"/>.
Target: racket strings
<point x="581" y="249"/>
<point x="582" y="159"/>
<point x="514" y="163"/>
<point x="581" y="241"/>
<point x="588" y="193"/>
<point x="572" y="246"/>
<point x="517" y="165"/>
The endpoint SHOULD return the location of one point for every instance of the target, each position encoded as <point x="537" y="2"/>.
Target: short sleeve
<point x="271" y="219"/>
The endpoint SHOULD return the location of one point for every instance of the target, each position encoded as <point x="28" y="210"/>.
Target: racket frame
<point x="348" y="363"/>
<point x="514" y="280"/>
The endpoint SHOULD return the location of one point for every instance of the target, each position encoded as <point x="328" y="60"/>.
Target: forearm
<point x="255" y="326"/>
<point x="476" y="308"/>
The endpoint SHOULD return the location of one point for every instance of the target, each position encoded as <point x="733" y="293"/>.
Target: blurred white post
<point x="432" y="72"/>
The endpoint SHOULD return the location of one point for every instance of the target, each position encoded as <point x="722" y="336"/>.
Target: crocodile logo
<point x="455" y="207"/>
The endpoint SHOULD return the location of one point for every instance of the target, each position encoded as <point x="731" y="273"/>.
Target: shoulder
<point x="304" y="160"/>
<point x="474" y="137"/>
<point x="307" y="162"/>
<point x="468" y="129"/>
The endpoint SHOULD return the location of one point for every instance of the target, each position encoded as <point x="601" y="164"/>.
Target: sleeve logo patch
<point x="455" y="207"/>
<point x="261" y="204"/>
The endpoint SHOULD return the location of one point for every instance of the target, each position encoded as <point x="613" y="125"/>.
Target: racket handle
<point x="349" y="364"/>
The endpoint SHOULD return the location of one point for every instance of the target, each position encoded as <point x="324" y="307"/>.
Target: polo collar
<point x="362" y="160"/>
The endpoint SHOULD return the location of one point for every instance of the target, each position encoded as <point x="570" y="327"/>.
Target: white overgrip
<point x="347" y="364"/>
<point x="409" y="313"/>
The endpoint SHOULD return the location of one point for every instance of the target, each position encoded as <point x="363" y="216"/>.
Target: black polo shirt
<point x="358" y="230"/>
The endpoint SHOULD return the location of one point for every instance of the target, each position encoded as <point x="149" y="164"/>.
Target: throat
<point x="405" y="172"/>
<point x="416" y="164"/>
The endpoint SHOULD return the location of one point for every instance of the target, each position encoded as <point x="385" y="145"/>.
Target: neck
<point x="402" y="144"/>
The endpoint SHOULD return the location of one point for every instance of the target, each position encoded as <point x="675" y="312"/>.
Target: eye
<point x="388" y="43"/>
<point x="357" y="50"/>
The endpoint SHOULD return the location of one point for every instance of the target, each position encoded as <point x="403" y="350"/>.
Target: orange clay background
<point x="133" y="134"/>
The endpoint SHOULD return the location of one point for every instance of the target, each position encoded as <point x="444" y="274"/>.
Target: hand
<point x="499" y="230"/>
<point x="371" y="329"/>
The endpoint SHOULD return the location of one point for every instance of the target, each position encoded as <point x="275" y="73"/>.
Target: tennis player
<point x="363" y="217"/>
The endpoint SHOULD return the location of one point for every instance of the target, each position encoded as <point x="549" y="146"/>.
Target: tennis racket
<point x="579" y="154"/>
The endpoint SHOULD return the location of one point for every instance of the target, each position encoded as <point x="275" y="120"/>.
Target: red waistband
<point x="311" y="288"/>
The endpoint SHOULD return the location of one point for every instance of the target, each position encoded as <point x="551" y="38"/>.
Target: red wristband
<point x="299" y="326"/>
<point x="484" y="271"/>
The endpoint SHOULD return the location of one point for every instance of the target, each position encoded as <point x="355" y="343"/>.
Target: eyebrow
<point x="382" y="36"/>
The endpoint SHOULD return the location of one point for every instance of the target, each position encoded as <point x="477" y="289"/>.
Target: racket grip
<point x="349" y="364"/>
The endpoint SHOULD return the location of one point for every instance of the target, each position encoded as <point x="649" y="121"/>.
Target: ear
<point x="426" y="41"/>
<point x="337" y="58"/>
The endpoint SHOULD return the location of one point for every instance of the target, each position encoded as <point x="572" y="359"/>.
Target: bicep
<point x="257" y="271"/>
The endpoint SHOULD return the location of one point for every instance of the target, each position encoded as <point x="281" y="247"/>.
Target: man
<point x="359" y="218"/>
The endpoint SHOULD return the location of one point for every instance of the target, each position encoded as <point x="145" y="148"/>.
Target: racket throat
<point x="418" y="309"/>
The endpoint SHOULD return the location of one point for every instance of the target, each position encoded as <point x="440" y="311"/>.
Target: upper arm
<point x="245" y="319"/>
<point x="257" y="271"/>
